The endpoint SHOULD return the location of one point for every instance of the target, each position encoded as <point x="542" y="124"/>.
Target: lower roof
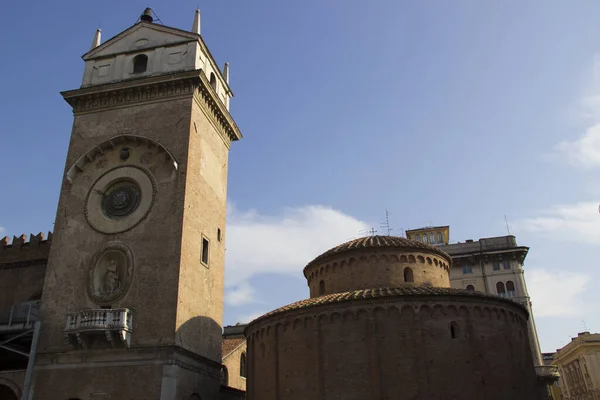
<point x="386" y="292"/>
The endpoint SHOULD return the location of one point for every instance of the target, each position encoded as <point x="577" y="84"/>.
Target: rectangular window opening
<point x="506" y="264"/>
<point x="496" y="267"/>
<point x="205" y="251"/>
<point x="219" y="234"/>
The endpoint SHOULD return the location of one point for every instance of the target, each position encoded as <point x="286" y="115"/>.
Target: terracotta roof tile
<point x="379" y="242"/>
<point x="411" y="290"/>
<point x="230" y="345"/>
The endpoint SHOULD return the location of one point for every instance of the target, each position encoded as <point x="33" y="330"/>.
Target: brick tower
<point x="133" y="296"/>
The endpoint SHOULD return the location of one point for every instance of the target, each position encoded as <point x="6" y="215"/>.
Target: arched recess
<point x="243" y="365"/>
<point x="510" y="288"/>
<point x="9" y="390"/>
<point x="213" y="81"/>
<point x="321" y="287"/>
<point x="470" y="288"/>
<point x="111" y="144"/>
<point x="408" y="275"/>
<point x="500" y="288"/>
<point x="224" y="376"/>
<point x="195" y="396"/>
<point x="140" y="63"/>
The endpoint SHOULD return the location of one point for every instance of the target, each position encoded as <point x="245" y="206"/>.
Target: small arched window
<point x="140" y="63"/>
<point x="424" y="238"/>
<point x="213" y="81"/>
<point x="431" y="238"/>
<point x="321" y="287"/>
<point x="408" y="275"/>
<point x="440" y="237"/>
<point x="453" y="330"/>
<point x="470" y="288"/>
<point x="500" y="289"/>
<point x="224" y="376"/>
<point x="510" y="288"/>
<point x="243" y="365"/>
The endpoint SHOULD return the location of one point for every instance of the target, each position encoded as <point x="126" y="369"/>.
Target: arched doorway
<point x="7" y="393"/>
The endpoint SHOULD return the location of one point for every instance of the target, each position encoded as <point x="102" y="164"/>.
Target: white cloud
<point x="585" y="151"/>
<point x="241" y="294"/>
<point x="245" y="319"/>
<point x="579" y="222"/>
<point x="556" y="293"/>
<point x="283" y="243"/>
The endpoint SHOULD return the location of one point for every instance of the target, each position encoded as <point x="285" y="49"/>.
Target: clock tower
<point x="133" y="297"/>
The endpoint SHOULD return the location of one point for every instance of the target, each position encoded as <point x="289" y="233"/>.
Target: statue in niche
<point x="110" y="273"/>
<point x="111" y="278"/>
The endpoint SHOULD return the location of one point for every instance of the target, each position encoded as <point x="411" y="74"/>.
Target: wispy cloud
<point x="2" y="229"/>
<point x="578" y="222"/>
<point x="544" y="286"/>
<point x="244" y="319"/>
<point x="282" y="243"/>
<point x="584" y="151"/>
<point x="241" y="294"/>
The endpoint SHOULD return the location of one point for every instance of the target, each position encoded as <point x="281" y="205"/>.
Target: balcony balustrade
<point x="115" y="325"/>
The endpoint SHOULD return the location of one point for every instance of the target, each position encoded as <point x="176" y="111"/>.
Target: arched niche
<point x="113" y="144"/>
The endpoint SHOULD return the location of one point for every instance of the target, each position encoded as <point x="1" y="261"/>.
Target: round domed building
<point x="383" y="323"/>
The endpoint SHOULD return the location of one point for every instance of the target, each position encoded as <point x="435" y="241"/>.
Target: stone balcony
<point x="549" y="372"/>
<point x="114" y="326"/>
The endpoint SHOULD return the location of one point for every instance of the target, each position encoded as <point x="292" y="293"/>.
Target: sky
<point x="446" y="113"/>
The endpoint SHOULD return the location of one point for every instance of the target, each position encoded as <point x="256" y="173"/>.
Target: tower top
<point x="196" y="24"/>
<point x="147" y="15"/>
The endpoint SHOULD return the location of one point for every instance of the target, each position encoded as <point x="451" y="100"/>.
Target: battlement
<point x="22" y="251"/>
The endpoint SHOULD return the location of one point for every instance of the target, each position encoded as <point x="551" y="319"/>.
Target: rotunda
<point x="383" y="323"/>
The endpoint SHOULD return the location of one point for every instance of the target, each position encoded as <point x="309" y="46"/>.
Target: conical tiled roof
<point x="379" y="242"/>
<point x="386" y="292"/>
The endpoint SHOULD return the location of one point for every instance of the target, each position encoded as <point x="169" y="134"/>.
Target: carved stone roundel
<point x="110" y="273"/>
<point x="120" y="199"/>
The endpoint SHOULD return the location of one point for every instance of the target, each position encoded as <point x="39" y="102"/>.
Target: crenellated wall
<point x="393" y="348"/>
<point x="22" y="268"/>
<point x="362" y="269"/>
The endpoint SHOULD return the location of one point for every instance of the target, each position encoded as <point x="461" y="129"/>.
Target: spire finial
<point x="97" y="37"/>
<point x="147" y="15"/>
<point x="196" y="25"/>
<point x="226" y="72"/>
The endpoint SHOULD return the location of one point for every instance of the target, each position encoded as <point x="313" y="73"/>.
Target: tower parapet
<point x="20" y="250"/>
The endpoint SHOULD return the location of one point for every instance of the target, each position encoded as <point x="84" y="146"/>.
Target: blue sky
<point x="442" y="112"/>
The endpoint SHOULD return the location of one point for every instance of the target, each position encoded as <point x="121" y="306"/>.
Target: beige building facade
<point x="493" y="265"/>
<point x="579" y="366"/>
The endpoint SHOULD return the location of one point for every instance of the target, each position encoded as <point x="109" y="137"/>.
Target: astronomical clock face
<point x="120" y="199"/>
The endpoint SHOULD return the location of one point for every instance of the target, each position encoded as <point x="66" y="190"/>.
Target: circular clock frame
<point x="120" y="199"/>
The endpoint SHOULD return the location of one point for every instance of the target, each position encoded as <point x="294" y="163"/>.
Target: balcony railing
<point x="115" y="325"/>
<point x="20" y="316"/>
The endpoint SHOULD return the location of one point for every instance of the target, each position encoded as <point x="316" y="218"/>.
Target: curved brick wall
<point x="373" y="268"/>
<point x="392" y="348"/>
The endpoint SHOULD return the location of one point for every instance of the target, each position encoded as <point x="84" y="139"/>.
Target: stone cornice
<point x="515" y="253"/>
<point x="163" y="87"/>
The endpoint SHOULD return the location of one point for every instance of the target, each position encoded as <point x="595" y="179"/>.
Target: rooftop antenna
<point x="507" y="228"/>
<point x="584" y="325"/>
<point x="367" y="232"/>
<point x="386" y="224"/>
